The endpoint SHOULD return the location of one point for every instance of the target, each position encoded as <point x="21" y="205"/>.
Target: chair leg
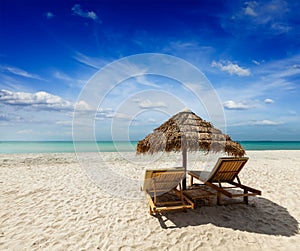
<point x="150" y="211"/>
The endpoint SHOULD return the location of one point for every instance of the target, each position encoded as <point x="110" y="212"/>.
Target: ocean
<point x="9" y="147"/>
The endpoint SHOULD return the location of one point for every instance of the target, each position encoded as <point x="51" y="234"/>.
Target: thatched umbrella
<point x="186" y="131"/>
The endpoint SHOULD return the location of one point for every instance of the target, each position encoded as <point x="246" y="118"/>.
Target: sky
<point x="51" y="52"/>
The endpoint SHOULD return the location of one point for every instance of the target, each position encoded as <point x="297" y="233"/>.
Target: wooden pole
<point x="184" y="165"/>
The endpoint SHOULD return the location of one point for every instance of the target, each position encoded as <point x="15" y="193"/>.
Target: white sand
<point x="48" y="203"/>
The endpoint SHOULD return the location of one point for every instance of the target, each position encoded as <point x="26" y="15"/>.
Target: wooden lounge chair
<point x="226" y="170"/>
<point x="163" y="190"/>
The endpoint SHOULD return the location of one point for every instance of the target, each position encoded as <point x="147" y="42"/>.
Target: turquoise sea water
<point x="108" y="146"/>
<point x="64" y="146"/>
<point x="270" y="145"/>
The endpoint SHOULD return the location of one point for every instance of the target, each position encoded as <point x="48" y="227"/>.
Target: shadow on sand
<point x="260" y="216"/>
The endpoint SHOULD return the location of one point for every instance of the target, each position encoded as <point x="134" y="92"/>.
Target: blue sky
<point x="49" y="50"/>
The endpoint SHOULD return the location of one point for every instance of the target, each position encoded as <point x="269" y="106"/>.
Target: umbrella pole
<point x="184" y="162"/>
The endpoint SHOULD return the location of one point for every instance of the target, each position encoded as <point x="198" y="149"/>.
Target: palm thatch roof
<point x="188" y="131"/>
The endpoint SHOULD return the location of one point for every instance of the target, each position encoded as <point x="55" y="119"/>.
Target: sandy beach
<point x="55" y="202"/>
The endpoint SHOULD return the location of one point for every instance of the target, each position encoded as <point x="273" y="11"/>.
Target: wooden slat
<point x="159" y="209"/>
<point x="250" y="189"/>
<point x="228" y="170"/>
<point x="243" y="195"/>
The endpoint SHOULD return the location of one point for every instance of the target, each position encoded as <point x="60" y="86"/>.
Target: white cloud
<point x="296" y="66"/>
<point x="71" y="82"/>
<point x="82" y="105"/>
<point x="4" y="117"/>
<point x="269" y="101"/>
<point x="25" y="131"/>
<point x="152" y="120"/>
<point x="287" y="71"/>
<point x="101" y="110"/>
<point x="250" y="9"/>
<point x="147" y="104"/>
<point x="144" y="81"/>
<point x="10" y="117"/>
<point x="49" y="15"/>
<point x="77" y="10"/>
<point x="119" y="115"/>
<point x="189" y="46"/>
<point x="42" y="100"/>
<point x="232" y="105"/>
<point x="90" y="61"/>
<point x="266" y="122"/>
<point x="231" y="68"/>
<point x="83" y="111"/>
<point x="109" y="113"/>
<point x="20" y="72"/>
<point x="64" y="123"/>
<point x="281" y="28"/>
<point x="103" y="113"/>
<point x="268" y="14"/>
<point x="62" y="76"/>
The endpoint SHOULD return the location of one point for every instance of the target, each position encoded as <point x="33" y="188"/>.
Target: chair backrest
<point x="227" y="169"/>
<point x="162" y="180"/>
